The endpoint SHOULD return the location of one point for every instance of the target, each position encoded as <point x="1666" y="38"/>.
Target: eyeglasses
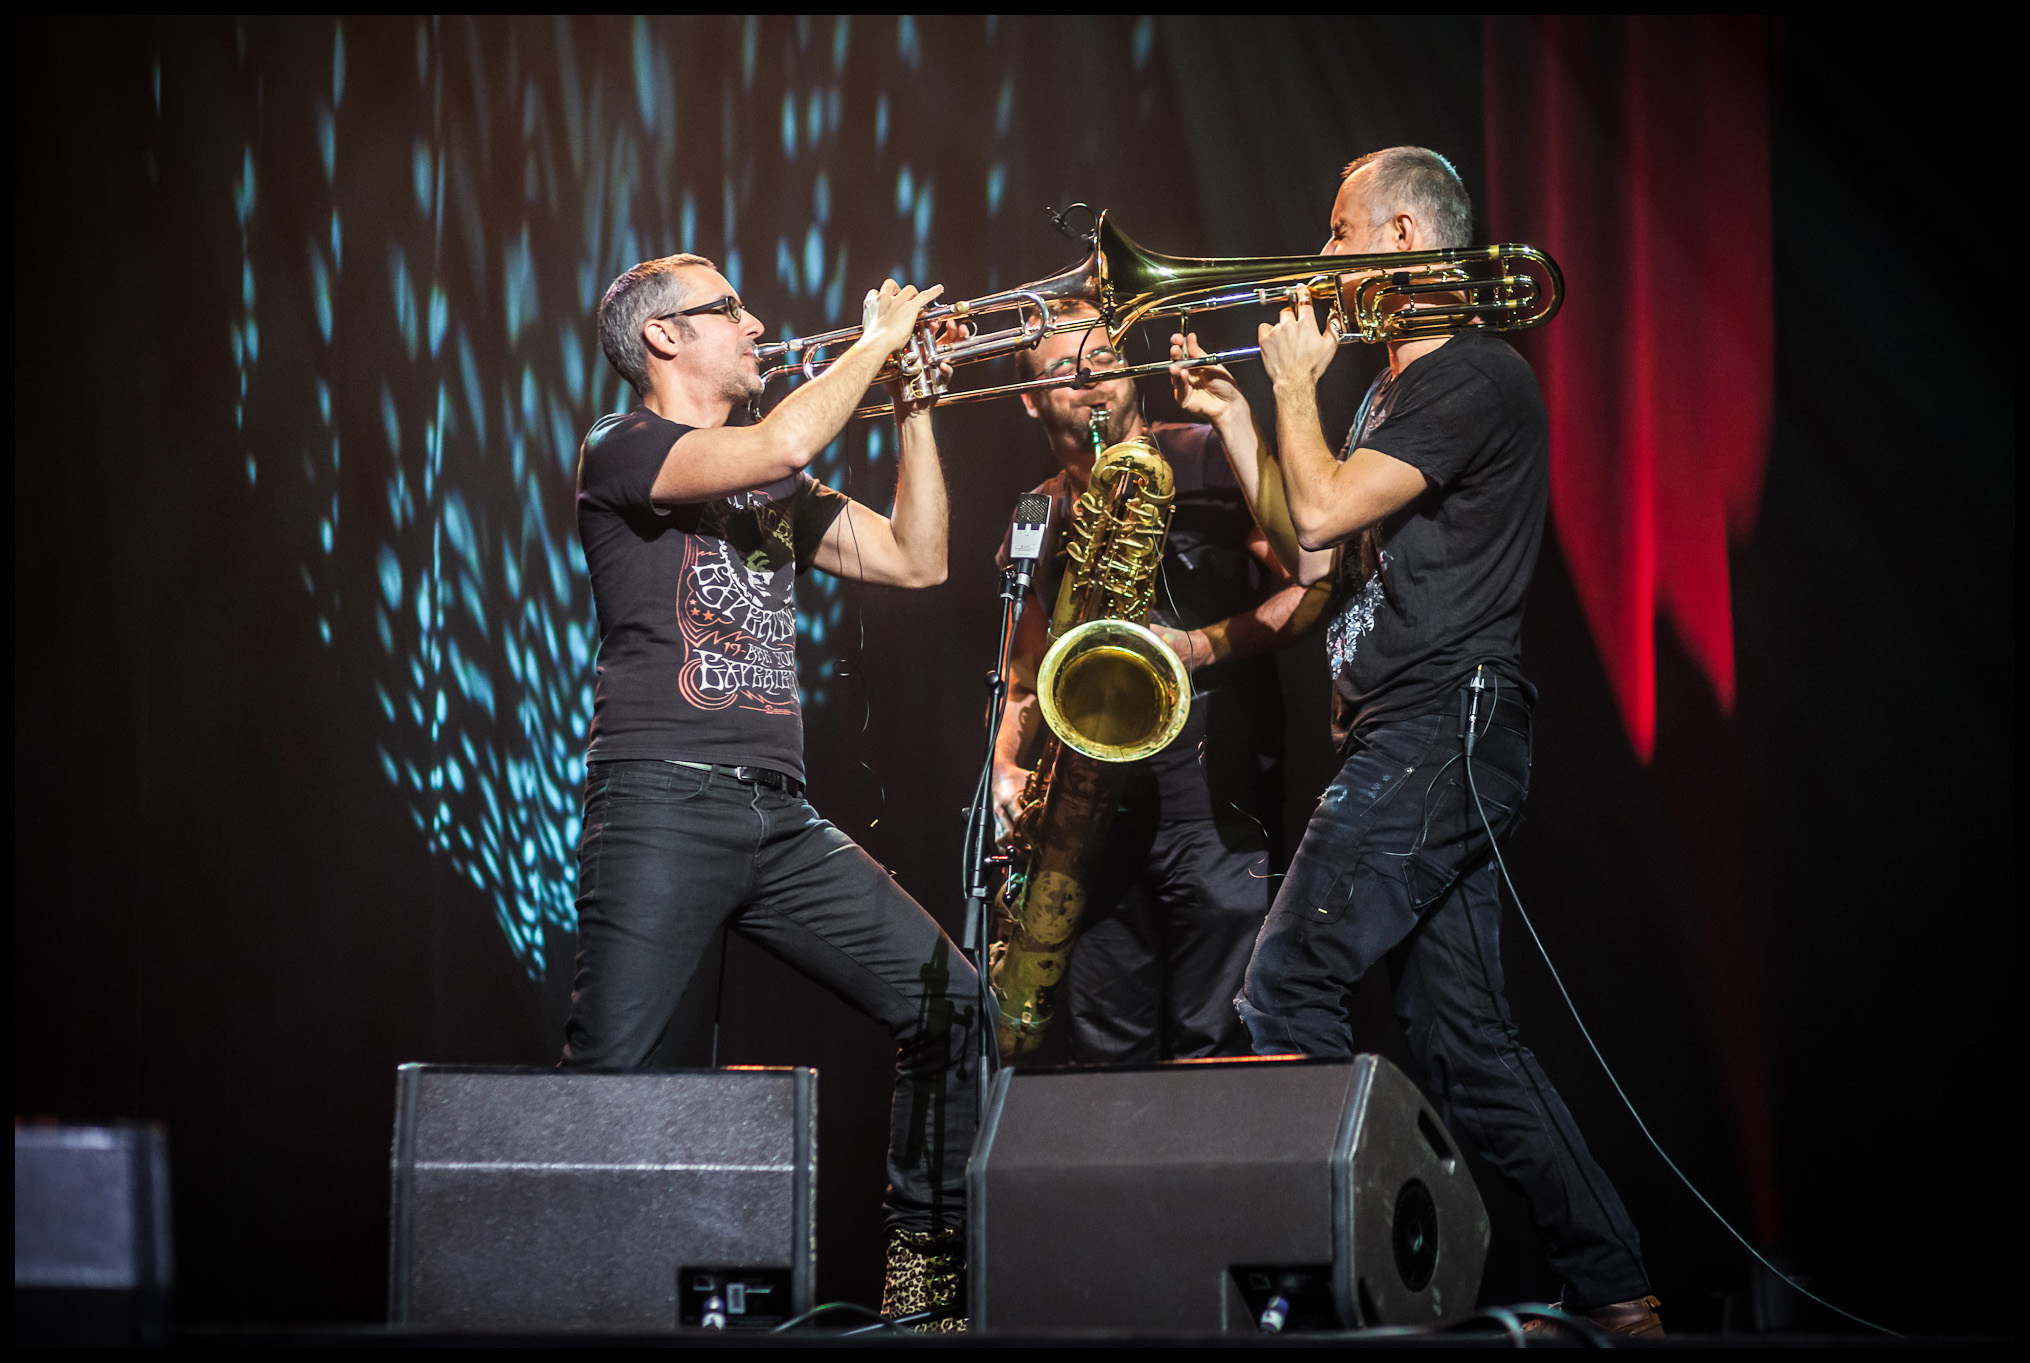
<point x="728" y="307"/>
<point x="1098" y="361"/>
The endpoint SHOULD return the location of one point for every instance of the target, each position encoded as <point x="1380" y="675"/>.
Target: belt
<point x="753" y="776"/>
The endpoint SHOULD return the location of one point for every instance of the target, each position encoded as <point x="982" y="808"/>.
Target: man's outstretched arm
<point x="1210" y="393"/>
<point x="1273" y="623"/>
<point x="1330" y="501"/>
<point x="907" y="547"/>
<point x="713" y="461"/>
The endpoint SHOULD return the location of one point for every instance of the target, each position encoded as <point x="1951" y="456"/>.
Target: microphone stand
<point x="981" y="860"/>
<point x="980" y="857"/>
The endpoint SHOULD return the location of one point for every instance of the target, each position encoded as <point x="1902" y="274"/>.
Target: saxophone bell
<point x="1114" y="691"/>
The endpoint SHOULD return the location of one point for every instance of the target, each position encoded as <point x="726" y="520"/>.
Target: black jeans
<point x="1170" y="924"/>
<point x="670" y="854"/>
<point x="1395" y="869"/>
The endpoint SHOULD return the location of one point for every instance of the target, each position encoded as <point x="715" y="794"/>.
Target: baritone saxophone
<point x="1111" y="692"/>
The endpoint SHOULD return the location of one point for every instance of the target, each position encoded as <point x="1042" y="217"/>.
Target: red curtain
<point x="1636" y="151"/>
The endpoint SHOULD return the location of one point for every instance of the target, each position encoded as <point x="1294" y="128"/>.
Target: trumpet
<point x="1393" y="296"/>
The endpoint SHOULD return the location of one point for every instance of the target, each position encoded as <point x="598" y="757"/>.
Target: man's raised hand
<point x="1295" y="349"/>
<point x="890" y="313"/>
<point x="1207" y="391"/>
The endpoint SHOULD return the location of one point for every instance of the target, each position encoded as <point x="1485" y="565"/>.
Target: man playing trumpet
<point x="1176" y="901"/>
<point x="1430" y="517"/>
<point x="695" y="819"/>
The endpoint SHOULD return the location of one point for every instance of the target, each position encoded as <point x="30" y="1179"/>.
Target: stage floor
<point x="370" y="1336"/>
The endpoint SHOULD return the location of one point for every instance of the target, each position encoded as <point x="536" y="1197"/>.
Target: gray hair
<point x="651" y="289"/>
<point x="1422" y="183"/>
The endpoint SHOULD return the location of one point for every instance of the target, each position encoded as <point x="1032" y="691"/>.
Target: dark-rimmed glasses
<point x="729" y="307"/>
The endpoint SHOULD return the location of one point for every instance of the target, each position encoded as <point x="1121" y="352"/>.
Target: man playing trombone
<point x="1430" y="517"/>
<point x="1180" y="893"/>
<point x="694" y="818"/>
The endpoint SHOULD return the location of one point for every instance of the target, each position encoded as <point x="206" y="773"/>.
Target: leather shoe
<point x="1636" y="1319"/>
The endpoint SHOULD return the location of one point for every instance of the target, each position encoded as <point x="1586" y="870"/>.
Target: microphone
<point x="1027" y="535"/>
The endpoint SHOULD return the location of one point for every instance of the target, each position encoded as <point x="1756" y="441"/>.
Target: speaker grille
<point x="1170" y="1197"/>
<point x="541" y="1199"/>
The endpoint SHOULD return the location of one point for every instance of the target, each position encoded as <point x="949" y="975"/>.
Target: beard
<point x="1074" y="424"/>
<point x="737" y="385"/>
<point x="1120" y="417"/>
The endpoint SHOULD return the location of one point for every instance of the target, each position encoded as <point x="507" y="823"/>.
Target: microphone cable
<point x="840" y="669"/>
<point x="1471" y="737"/>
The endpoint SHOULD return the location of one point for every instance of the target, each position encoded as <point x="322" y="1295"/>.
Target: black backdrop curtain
<point x="302" y="355"/>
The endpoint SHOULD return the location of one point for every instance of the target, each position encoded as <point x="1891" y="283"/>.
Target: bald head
<point x="1415" y="181"/>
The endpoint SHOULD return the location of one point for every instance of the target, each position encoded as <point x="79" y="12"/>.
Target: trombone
<point x="1394" y="296"/>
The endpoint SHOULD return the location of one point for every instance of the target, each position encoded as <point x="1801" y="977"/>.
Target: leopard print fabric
<point x="926" y="1273"/>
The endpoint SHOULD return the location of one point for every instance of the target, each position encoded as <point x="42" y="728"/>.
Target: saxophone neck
<point x="1097" y="425"/>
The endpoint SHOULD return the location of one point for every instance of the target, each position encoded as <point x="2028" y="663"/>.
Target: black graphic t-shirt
<point x="1438" y="587"/>
<point x="1223" y="764"/>
<point x="696" y="604"/>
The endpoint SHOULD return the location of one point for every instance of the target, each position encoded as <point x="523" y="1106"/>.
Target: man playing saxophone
<point x="1180" y="891"/>
<point x="1430" y="516"/>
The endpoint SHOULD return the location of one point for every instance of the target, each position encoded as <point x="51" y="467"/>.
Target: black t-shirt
<point x="1438" y="587"/>
<point x="696" y="604"/>
<point x="1222" y="765"/>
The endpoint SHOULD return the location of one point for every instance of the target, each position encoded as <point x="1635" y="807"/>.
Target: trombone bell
<point x="1506" y="287"/>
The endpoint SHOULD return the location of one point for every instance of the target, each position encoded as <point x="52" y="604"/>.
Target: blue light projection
<point x="491" y="187"/>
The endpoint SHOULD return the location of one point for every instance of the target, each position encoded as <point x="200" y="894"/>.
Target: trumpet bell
<point x="1114" y="691"/>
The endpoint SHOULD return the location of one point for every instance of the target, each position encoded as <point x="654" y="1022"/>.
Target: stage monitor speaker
<point x="544" y="1199"/>
<point x="1220" y="1195"/>
<point x="92" y="1259"/>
